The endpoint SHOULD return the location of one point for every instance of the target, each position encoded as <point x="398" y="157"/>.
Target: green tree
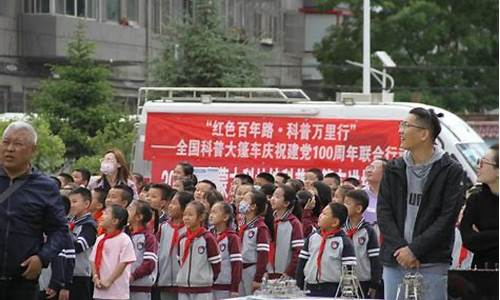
<point x="115" y="135"/>
<point x="199" y="53"/>
<point x="446" y="51"/>
<point x="49" y="156"/>
<point x="77" y="100"/>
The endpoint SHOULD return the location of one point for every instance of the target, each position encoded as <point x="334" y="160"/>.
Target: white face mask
<point x="108" y="167"/>
<point x="244" y="207"/>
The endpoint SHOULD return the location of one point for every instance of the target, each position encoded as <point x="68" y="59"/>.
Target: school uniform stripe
<point x="83" y="242"/>
<point x="349" y="260"/>
<point x="150" y="257"/>
<point x="297" y="243"/>
<point x="235" y="257"/>
<point x="67" y="255"/>
<point x="263" y="247"/>
<point x="214" y="259"/>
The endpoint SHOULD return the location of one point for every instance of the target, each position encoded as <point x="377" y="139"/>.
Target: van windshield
<point x="472" y="152"/>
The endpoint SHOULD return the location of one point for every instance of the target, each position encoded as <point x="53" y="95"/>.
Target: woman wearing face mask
<point x="114" y="171"/>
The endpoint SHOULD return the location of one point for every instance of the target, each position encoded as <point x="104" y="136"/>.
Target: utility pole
<point x="366" y="47"/>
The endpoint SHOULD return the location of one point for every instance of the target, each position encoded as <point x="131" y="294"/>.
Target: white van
<point x="180" y="115"/>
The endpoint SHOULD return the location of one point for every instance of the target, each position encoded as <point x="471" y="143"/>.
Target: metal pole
<point x="366" y="47"/>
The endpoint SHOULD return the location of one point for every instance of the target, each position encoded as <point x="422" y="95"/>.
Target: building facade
<point x="128" y="35"/>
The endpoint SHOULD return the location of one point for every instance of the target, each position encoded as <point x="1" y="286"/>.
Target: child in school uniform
<point x="112" y="256"/>
<point x="288" y="236"/>
<point x="168" y="237"/>
<point x="198" y="256"/>
<point x="311" y="210"/>
<point x="98" y="206"/>
<point x="145" y="268"/>
<point x="159" y="196"/>
<point x="229" y="244"/>
<point x="365" y="241"/>
<point x="56" y="279"/>
<point x="255" y="240"/>
<point x="84" y="231"/>
<point x="324" y="253"/>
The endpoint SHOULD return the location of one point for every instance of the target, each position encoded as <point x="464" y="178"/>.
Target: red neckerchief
<point x="463" y="255"/>
<point x="324" y="235"/>
<point x="100" y="248"/>
<point x="71" y="225"/>
<point x="221" y="236"/>
<point x="190" y="237"/>
<point x="243" y="227"/>
<point x="97" y="215"/>
<point x="351" y="232"/>
<point x="175" y="235"/>
<point x="141" y="229"/>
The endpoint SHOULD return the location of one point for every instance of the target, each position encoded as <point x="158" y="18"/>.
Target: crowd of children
<point x="191" y="243"/>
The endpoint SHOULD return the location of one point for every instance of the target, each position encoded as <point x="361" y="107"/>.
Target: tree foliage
<point x="49" y="156"/>
<point x="446" y="51"/>
<point x="199" y="53"/>
<point x="77" y="100"/>
<point x="115" y="135"/>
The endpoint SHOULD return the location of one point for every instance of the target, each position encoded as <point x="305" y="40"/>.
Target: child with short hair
<point x="168" y="237"/>
<point x="121" y="195"/>
<point x="112" y="256"/>
<point x="365" y="241"/>
<point x="144" y="191"/>
<point x="255" y="240"/>
<point x="227" y="284"/>
<point x="340" y="193"/>
<point x="325" y="251"/>
<point x="97" y="207"/>
<point x="159" y="196"/>
<point x="288" y="235"/>
<point x="84" y="233"/>
<point x="144" y="269"/>
<point x="199" y="256"/>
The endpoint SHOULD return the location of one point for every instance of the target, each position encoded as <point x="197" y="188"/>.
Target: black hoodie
<point x="434" y="230"/>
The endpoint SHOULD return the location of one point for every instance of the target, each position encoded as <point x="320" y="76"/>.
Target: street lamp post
<point x="366" y="47"/>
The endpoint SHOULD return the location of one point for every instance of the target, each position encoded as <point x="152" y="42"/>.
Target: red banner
<point x="254" y="144"/>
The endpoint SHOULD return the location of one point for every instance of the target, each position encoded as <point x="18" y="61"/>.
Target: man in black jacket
<point x="418" y="204"/>
<point x="32" y="209"/>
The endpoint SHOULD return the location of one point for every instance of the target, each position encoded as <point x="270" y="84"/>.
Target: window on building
<point x="275" y="29"/>
<point x="257" y="25"/>
<point x="70" y="7"/>
<point x="132" y="10"/>
<point x="37" y="6"/>
<point x="230" y="13"/>
<point x="28" y="94"/>
<point x="80" y="8"/>
<point x="77" y="8"/>
<point x="4" y="98"/>
<point x="187" y="8"/>
<point x="60" y="7"/>
<point x="157" y="6"/>
<point x="113" y="10"/>
<point x="44" y="6"/>
<point x="91" y="9"/>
